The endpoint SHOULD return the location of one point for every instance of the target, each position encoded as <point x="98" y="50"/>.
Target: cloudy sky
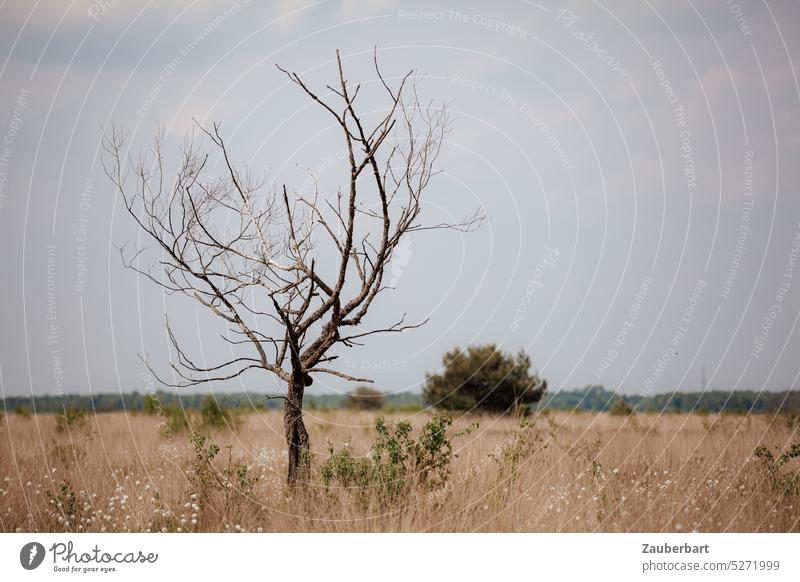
<point x="638" y="162"/>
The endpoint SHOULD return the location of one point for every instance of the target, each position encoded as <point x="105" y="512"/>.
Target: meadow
<point x="551" y="472"/>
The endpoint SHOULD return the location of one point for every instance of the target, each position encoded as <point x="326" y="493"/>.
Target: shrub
<point x="365" y="398"/>
<point x="215" y="415"/>
<point x="433" y="452"/>
<point x="202" y="476"/>
<point x="785" y="482"/>
<point x="71" y="419"/>
<point x="522" y="444"/>
<point x="396" y="463"/>
<point x="484" y="378"/>
<point x="226" y="490"/>
<point x="175" y="420"/>
<point x="621" y="408"/>
<point x="22" y="411"/>
<point x="151" y="404"/>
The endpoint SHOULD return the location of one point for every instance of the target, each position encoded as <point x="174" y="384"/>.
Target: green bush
<point x="71" y="419"/>
<point x="151" y="404"/>
<point x="785" y="482"/>
<point x="396" y="464"/>
<point x="227" y="491"/>
<point x="202" y="476"/>
<point x="484" y="378"/>
<point x="523" y="443"/>
<point x="215" y="415"/>
<point x="621" y="408"/>
<point x="175" y="420"/>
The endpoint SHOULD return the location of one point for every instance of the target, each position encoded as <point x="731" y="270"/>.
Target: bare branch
<point x="249" y="254"/>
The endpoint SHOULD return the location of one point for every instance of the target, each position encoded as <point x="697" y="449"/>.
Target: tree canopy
<point x="483" y="377"/>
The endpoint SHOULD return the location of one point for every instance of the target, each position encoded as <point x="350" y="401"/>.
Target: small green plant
<point x="227" y="489"/>
<point x="202" y="476"/>
<point x="621" y="408"/>
<point x="70" y="419"/>
<point x="390" y="457"/>
<point x="151" y="404"/>
<point x="346" y="470"/>
<point x="22" y="411"/>
<point x="175" y="420"/>
<point x="784" y="481"/>
<point x="237" y="475"/>
<point x="382" y="473"/>
<point x="522" y="444"/>
<point x="215" y="415"/>
<point x="433" y="452"/>
<point x="396" y="463"/>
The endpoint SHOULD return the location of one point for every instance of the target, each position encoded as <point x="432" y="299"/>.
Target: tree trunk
<point x="296" y="434"/>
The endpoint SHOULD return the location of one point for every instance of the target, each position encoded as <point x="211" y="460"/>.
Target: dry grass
<point x="567" y="472"/>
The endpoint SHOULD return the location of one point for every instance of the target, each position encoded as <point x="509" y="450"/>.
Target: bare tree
<point x="250" y="254"/>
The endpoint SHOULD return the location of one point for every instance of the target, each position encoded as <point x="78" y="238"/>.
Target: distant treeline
<point x="591" y="398"/>
<point x="598" y="398"/>
<point x="136" y="401"/>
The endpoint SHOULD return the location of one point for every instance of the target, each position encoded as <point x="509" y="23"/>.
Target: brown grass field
<point x="565" y="472"/>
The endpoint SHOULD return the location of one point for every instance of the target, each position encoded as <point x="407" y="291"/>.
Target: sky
<point x="637" y="162"/>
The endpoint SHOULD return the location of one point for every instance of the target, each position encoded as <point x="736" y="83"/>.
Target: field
<point x="557" y="472"/>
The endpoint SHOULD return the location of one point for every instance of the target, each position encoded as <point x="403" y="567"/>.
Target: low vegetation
<point x="784" y="478"/>
<point x="549" y="471"/>
<point x="71" y="419"/>
<point x="621" y="408"/>
<point x="397" y="465"/>
<point x="214" y="414"/>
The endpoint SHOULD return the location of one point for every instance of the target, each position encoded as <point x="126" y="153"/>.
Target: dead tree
<point x="251" y="253"/>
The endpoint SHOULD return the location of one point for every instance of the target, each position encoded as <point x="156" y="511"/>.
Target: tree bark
<point x="296" y="435"/>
